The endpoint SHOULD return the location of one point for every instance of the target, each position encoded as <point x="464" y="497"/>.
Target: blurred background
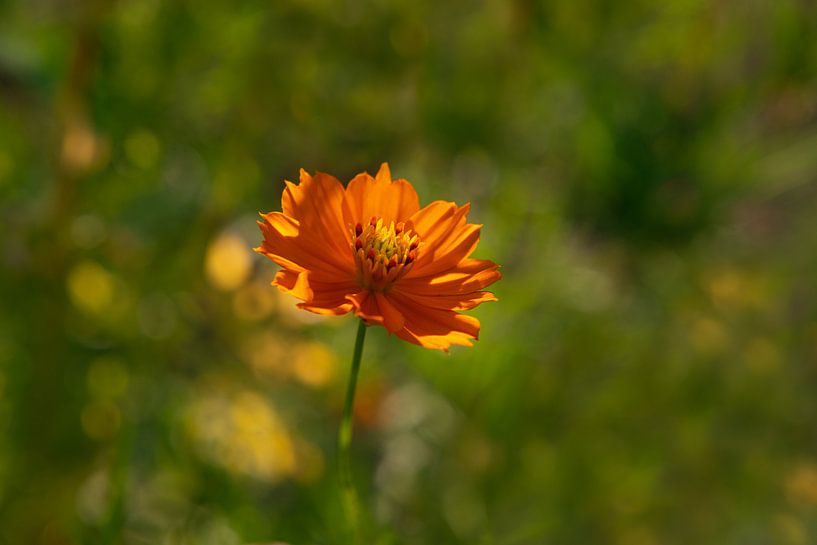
<point x="647" y="176"/>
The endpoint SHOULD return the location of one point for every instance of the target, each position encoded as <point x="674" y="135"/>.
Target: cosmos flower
<point x="370" y="249"/>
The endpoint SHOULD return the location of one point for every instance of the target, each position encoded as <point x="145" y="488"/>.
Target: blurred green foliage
<point x="647" y="176"/>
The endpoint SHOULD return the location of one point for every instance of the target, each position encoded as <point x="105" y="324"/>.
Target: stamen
<point x="383" y="252"/>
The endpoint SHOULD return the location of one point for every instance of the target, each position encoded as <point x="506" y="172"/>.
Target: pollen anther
<point x="383" y="252"/>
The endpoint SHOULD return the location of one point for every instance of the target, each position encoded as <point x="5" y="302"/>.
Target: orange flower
<point x="370" y="249"/>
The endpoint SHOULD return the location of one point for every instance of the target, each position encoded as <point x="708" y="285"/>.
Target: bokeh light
<point x="228" y="262"/>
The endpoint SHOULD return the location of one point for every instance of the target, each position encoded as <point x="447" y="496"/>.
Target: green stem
<point x="350" y="499"/>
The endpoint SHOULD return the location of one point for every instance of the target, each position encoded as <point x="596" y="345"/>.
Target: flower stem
<point x="350" y="499"/>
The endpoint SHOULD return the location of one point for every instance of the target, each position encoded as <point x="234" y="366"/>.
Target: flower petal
<point x="433" y="328"/>
<point x="317" y="203"/>
<point x="327" y="308"/>
<point x="468" y="276"/>
<point x="296" y="248"/>
<point x="434" y="220"/>
<point x="436" y="342"/>
<point x="443" y="255"/>
<point x="392" y="318"/>
<point x="463" y="301"/>
<point x="375" y="308"/>
<point x="293" y="194"/>
<point x="380" y="196"/>
<point x="365" y="306"/>
<point x="319" y="297"/>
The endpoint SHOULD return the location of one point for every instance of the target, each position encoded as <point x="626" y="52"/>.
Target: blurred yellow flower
<point x="91" y="287"/>
<point x="228" y="262"/>
<point x="313" y="364"/>
<point x="254" y="301"/>
<point x="243" y="433"/>
<point x="801" y="484"/>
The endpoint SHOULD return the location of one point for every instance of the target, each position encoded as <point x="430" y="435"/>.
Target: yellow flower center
<point x="383" y="253"/>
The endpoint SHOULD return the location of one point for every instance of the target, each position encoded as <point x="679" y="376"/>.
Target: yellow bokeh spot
<point x="101" y="420"/>
<point x="107" y="378"/>
<point x="313" y="364"/>
<point x="709" y="336"/>
<point x="243" y="433"/>
<point x="142" y="148"/>
<point x="726" y="287"/>
<point x="267" y="354"/>
<point x="801" y="484"/>
<point x="288" y="308"/>
<point x="80" y="147"/>
<point x="731" y="288"/>
<point x="91" y="288"/>
<point x="228" y="262"/>
<point x="271" y="356"/>
<point x="254" y="301"/>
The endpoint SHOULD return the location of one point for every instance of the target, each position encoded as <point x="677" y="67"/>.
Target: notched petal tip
<point x="384" y="173"/>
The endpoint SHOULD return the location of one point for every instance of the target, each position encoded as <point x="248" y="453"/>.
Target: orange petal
<point x="377" y="309"/>
<point x="380" y="196"/>
<point x="285" y="225"/>
<point x="434" y="220"/>
<point x="468" y="276"/>
<point x="383" y="173"/>
<point x="301" y="252"/>
<point x="464" y="301"/>
<point x="365" y="306"/>
<point x="317" y="203"/>
<point x="433" y="328"/>
<point x="293" y="194"/>
<point x="285" y="280"/>
<point x="319" y="297"/>
<point x="392" y="318"/>
<point x="435" y="342"/>
<point x="339" y="310"/>
<point x="447" y="252"/>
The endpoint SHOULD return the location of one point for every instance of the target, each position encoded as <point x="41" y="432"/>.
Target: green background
<point x="647" y="176"/>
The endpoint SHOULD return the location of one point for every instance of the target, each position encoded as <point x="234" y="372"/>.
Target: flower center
<point x="383" y="252"/>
